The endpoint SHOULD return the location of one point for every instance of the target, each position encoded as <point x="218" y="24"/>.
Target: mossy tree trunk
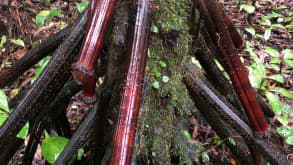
<point x="166" y="106"/>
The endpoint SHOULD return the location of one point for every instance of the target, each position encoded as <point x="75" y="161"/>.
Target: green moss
<point x="165" y="107"/>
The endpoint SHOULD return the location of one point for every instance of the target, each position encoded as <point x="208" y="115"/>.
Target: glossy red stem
<point x="100" y="16"/>
<point x="222" y="38"/>
<point x="88" y="93"/>
<point x="124" y="135"/>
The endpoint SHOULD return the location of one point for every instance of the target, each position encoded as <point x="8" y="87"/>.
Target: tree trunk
<point x="166" y="106"/>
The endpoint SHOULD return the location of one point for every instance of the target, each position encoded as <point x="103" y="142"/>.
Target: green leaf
<point x="187" y="135"/>
<point x="3" y="41"/>
<point x="257" y="72"/>
<point x="163" y="64"/>
<point x="45" y="16"/>
<point x="52" y="146"/>
<point x="3" y="117"/>
<point x="156" y="85"/>
<point x="205" y="157"/>
<point x="248" y="8"/>
<point x="259" y="36"/>
<point x="41" y="66"/>
<point x="250" y="30"/>
<point x="274" y="102"/>
<point x="289" y="140"/>
<point x="272" y="52"/>
<point x="290" y="26"/>
<point x="274" y="15"/>
<point x="283" y="92"/>
<point x="24" y="131"/>
<point x="278" y="26"/>
<point x="18" y="42"/>
<point x="288" y="53"/>
<point x="165" y="79"/>
<point x="267" y="34"/>
<point x="3" y="101"/>
<point x="288" y="19"/>
<point x="277" y="77"/>
<point x="280" y="7"/>
<point x="265" y="21"/>
<point x="81" y="6"/>
<point x="158" y="74"/>
<point x="80" y="153"/>
<point x="289" y="62"/>
<point x="154" y="28"/>
<point x="285" y="131"/>
<point x="232" y="141"/>
<point x="275" y="60"/>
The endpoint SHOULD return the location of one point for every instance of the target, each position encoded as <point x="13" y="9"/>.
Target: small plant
<point x="52" y="146"/>
<point x="3" y="41"/>
<point x="5" y="111"/>
<point x="45" y="16"/>
<point x="18" y="42"/>
<point x="40" y="67"/>
<point x="81" y="6"/>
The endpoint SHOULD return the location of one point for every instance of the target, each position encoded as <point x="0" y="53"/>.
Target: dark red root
<point x="237" y="39"/>
<point x="98" y="20"/>
<point x="223" y="40"/>
<point x="88" y="93"/>
<point x="124" y="135"/>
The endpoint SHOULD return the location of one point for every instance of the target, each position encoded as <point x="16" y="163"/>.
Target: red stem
<point x="237" y="39"/>
<point x="124" y="135"/>
<point x="88" y="93"/>
<point x="100" y="14"/>
<point x="221" y="37"/>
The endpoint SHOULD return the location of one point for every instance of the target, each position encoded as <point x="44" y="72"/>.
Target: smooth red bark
<point x="101" y="12"/>
<point x="222" y="39"/>
<point x="124" y="135"/>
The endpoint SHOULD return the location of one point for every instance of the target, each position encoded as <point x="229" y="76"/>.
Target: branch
<point x="203" y="96"/>
<point x="31" y="57"/>
<point x="45" y="88"/>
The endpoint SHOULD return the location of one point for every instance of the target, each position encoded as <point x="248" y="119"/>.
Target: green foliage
<point x="187" y="135"/>
<point x="4" y="112"/>
<point x="251" y="31"/>
<point x="156" y="85"/>
<point x="80" y="153"/>
<point x="24" y="131"/>
<point x="3" y="102"/>
<point x="232" y="141"/>
<point x="287" y="133"/>
<point x="18" y="42"/>
<point x="154" y="28"/>
<point x="52" y="146"/>
<point x="3" y="41"/>
<point x="40" y="67"/>
<point x="157" y="74"/>
<point x="205" y="157"/>
<point x="267" y="33"/>
<point x="248" y="8"/>
<point x="45" y="16"/>
<point x="165" y="79"/>
<point x="163" y="64"/>
<point x="81" y="6"/>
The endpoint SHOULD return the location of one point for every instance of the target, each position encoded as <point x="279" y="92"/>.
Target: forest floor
<point x="268" y="35"/>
